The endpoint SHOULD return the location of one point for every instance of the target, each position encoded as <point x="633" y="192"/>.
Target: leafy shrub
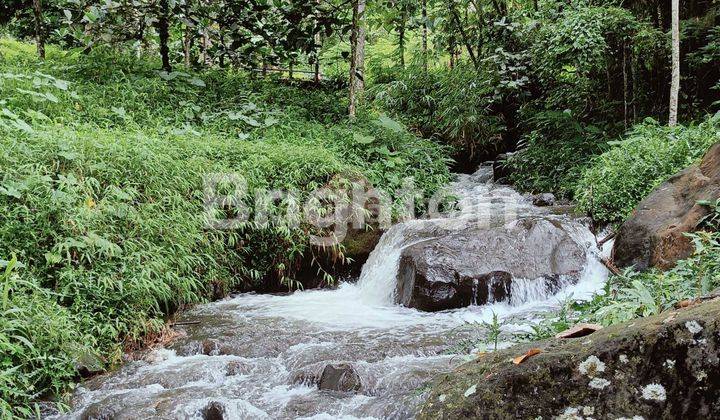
<point x="456" y="107"/>
<point x="648" y="293"/>
<point x="569" y="54"/>
<point x="39" y="343"/>
<point x="579" y="104"/>
<point x="551" y="157"/>
<point x="619" y="179"/>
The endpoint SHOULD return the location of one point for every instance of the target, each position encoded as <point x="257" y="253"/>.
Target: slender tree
<point x="187" y="33"/>
<point x="316" y="50"/>
<point x="424" y="34"/>
<point x="675" y="83"/>
<point x="401" y="41"/>
<point x="163" y="27"/>
<point x="39" y="30"/>
<point x="357" y="56"/>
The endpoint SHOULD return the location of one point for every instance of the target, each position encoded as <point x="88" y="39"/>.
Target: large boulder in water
<point x="340" y="377"/>
<point x="661" y="367"/>
<point x="480" y="265"/>
<point x="654" y="236"/>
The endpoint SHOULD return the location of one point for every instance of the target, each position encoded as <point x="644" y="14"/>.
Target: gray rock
<point x="340" y="377"/>
<point x="501" y="171"/>
<point x="660" y="367"/>
<point x="543" y="200"/>
<point x="479" y="265"/>
<point x="654" y="236"/>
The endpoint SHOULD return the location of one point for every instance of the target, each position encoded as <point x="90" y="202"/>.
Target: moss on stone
<point x="634" y="354"/>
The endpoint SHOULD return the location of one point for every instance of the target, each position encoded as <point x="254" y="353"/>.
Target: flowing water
<point x="260" y="356"/>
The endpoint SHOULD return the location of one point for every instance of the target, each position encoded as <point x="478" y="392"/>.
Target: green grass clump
<point x="40" y="342"/>
<point x="616" y="181"/>
<point x="102" y="163"/>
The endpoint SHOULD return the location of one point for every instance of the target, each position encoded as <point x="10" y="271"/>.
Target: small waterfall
<point x="377" y="280"/>
<point x="480" y="203"/>
<point x="537" y="290"/>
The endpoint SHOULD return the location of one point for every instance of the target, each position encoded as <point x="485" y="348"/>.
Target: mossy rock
<point x="661" y="367"/>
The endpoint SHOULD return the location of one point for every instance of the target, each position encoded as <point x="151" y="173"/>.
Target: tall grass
<point x="102" y="160"/>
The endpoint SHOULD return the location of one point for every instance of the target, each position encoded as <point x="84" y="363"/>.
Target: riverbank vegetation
<point x="101" y="198"/>
<point x="112" y="114"/>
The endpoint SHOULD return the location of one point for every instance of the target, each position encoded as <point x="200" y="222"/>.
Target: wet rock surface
<point x="479" y="265"/>
<point x="654" y="236"/>
<point x="543" y="200"/>
<point x="659" y="367"/>
<point x="340" y="377"/>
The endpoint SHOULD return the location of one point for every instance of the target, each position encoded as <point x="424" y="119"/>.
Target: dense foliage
<point x="105" y="144"/>
<point x="101" y="195"/>
<point x="616" y="181"/>
<point x="553" y="83"/>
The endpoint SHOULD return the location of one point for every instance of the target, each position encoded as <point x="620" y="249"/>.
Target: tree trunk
<point x="187" y="35"/>
<point x="633" y="70"/>
<point x="318" y="43"/>
<point x="425" y="35"/>
<point x="401" y="44"/>
<point x="625" y="85"/>
<point x="205" y="46"/>
<point x="163" y="27"/>
<point x="39" y="30"/>
<point x="675" y="83"/>
<point x="318" y="47"/>
<point x="465" y="38"/>
<point x="186" y="47"/>
<point x="357" y="56"/>
<point x="221" y="41"/>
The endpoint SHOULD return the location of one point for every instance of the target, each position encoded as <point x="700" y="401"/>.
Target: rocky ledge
<point x="479" y="265"/>
<point x="661" y="367"/>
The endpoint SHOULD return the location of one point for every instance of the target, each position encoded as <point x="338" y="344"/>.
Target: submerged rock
<point x="654" y="236"/>
<point x="480" y="265"/>
<point x="340" y="377"/>
<point x="658" y="367"/>
<point x="543" y="200"/>
<point x="213" y="411"/>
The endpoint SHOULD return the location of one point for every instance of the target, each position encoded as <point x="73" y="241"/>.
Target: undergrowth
<point x="616" y="181"/>
<point x="102" y="162"/>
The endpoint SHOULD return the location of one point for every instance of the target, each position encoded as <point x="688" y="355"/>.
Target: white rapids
<point x="257" y="356"/>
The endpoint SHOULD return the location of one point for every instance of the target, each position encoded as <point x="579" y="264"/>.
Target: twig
<point x="177" y="324"/>
<point x="607" y="238"/>
<point x="610" y="266"/>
